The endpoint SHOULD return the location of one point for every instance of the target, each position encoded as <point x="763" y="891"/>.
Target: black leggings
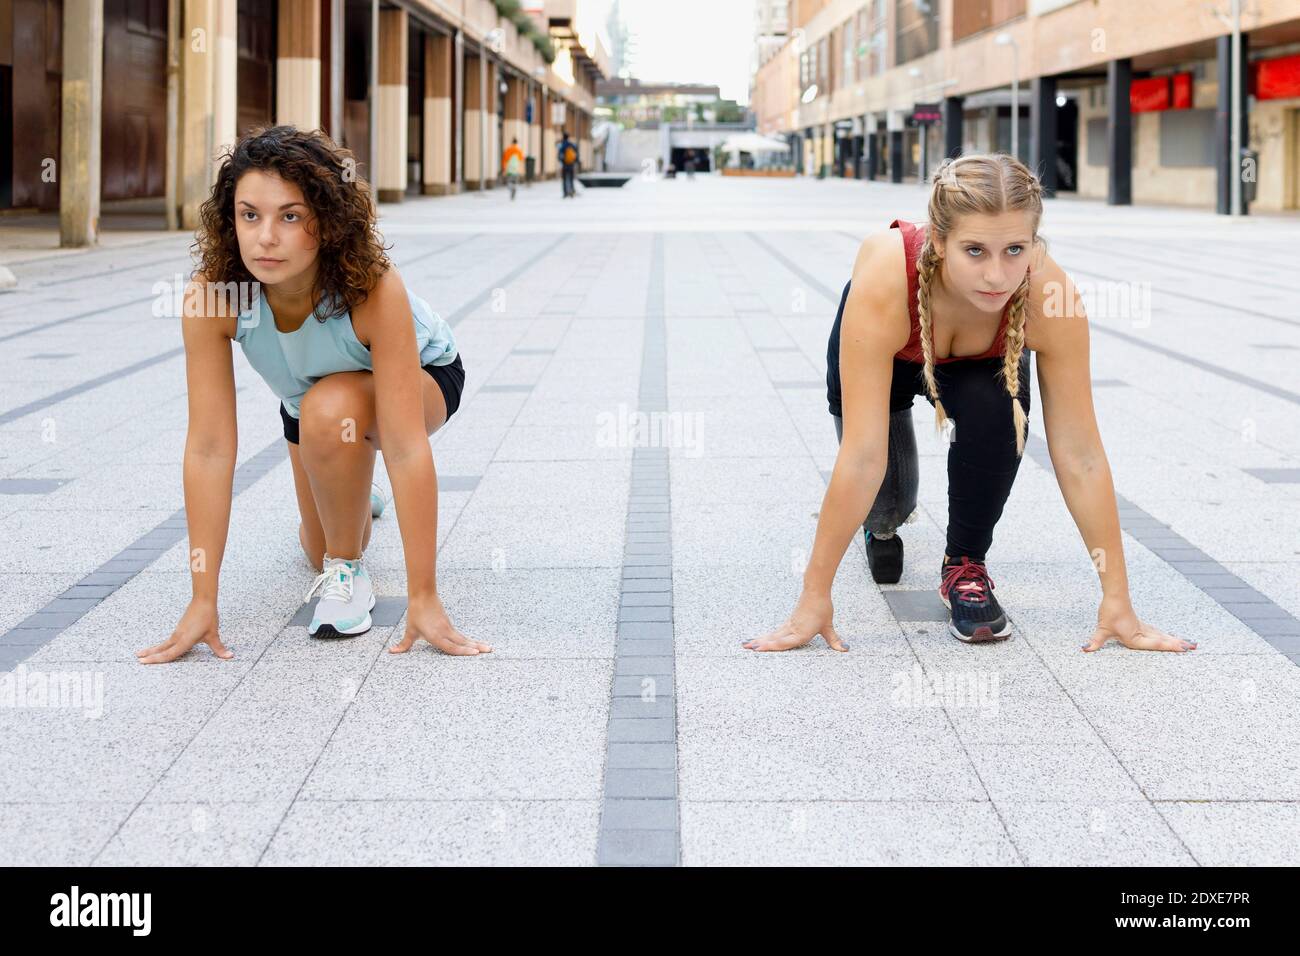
<point x="982" y="459"/>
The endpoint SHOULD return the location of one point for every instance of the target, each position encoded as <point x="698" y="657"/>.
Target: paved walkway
<point x="619" y="720"/>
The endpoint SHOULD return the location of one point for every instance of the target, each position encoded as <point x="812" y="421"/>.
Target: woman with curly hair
<point x="324" y="318"/>
<point x="950" y="309"/>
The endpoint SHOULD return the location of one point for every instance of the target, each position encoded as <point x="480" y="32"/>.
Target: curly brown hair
<point x="351" y="253"/>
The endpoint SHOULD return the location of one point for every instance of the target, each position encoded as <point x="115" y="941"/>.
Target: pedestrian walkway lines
<point x="59" y="396"/>
<point x="504" y="281"/>
<point x="1271" y="622"/>
<point x="43" y="626"/>
<point x="639" y="820"/>
<point x="1254" y="609"/>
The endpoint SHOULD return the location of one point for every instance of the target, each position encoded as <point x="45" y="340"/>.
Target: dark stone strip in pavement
<point x="1257" y="611"/>
<point x="73" y="318"/>
<point x="639" y="813"/>
<point x="59" y="396"/>
<point x="1276" y="476"/>
<point x="504" y="281"/>
<point x="68" y="608"/>
<point x="30" y="486"/>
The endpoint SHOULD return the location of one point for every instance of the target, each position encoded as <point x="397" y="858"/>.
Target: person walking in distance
<point x="567" y="153"/>
<point x="512" y="165"/>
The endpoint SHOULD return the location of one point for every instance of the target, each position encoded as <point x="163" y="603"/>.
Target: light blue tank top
<point x="291" y="362"/>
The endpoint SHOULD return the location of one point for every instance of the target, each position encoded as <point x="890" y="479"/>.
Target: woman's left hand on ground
<point x="1116" y="620"/>
<point x="428" y="621"/>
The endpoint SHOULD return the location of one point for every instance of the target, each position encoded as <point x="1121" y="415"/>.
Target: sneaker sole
<point x="983" y="634"/>
<point x="326" y="631"/>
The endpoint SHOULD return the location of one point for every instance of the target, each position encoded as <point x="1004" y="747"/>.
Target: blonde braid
<point x="925" y="266"/>
<point x="1014" y="348"/>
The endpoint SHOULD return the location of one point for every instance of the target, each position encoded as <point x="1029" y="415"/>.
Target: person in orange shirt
<point x="512" y="164"/>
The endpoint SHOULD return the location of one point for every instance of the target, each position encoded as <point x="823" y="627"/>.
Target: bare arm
<point x="211" y="442"/>
<point x="867" y="347"/>
<point x="1079" y="460"/>
<point x="869" y="337"/>
<point x="399" y="410"/>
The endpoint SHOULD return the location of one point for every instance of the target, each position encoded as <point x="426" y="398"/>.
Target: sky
<point x="694" y="41"/>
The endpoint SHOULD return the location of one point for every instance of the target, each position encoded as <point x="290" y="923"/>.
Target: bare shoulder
<point x="387" y="299"/>
<point x="877" y="306"/>
<point x="211" y="306"/>
<point x="1055" y="315"/>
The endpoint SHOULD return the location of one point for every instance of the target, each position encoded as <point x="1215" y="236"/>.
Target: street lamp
<point x="1005" y="39"/>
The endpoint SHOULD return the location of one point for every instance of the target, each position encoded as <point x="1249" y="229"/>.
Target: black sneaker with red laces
<point x="967" y="591"/>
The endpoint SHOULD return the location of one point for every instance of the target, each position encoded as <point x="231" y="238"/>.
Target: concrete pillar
<point x="894" y="123"/>
<point x="1226" y="166"/>
<point x="458" y="112"/>
<point x="82" y="95"/>
<point x="872" y="144"/>
<point x="551" y="133"/>
<point x="493" y="161"/>
<point x="297" y="65"/>
<point x="1119" y="130"/>
<point x="391" y="105"/>
<point x="515" y="126"/>
<point x="952" y="126"/>
<point x="1042" y="132"/>
<point x="473" y="122"/>
<point x="439" y="79"/>
<point x="209" y="64"/>
<point x="534" y="147"/>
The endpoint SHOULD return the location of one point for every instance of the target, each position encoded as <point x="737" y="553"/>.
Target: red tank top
<point x="913" y="240"/>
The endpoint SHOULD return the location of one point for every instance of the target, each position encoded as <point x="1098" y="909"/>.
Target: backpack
<point x="570" y="155"/>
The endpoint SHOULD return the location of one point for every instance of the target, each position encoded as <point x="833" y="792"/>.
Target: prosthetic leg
<point x="894" y="503"/>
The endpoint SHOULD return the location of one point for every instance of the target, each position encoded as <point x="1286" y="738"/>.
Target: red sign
<point x="1182" y="91"/>
<point x="1277" y="79"/>
<point x="1149" y="94"/>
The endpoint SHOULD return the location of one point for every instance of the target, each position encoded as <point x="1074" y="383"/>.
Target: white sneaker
<point x="377" y="501"/>
<point x="345" y="602"/>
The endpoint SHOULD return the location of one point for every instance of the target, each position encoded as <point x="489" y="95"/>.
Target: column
<point x="209" y="64"/>
<point x="895" y="124"/>
<point x="1042" y="131"/>
<point x="82" y="104"/>
<point x="298" y="64"/>
<point x="391" y="106"/>
<point x="952" y="126"/>
<point x="473" y="122"/>
<point x="492" y="164"/>
<point x="439" y="79"/>
<point x="1226" y="166"/>
<point x="1119" y="133"/>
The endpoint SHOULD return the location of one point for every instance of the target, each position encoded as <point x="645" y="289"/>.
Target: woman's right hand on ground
<point x="811" y="616"/>
<point x="197" y="625"/>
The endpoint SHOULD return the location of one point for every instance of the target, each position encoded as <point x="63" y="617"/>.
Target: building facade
<point x="1114" y="100"/>
<point x="104" y="100"/>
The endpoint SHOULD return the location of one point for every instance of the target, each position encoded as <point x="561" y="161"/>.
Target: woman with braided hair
<point x="951" y="309"/>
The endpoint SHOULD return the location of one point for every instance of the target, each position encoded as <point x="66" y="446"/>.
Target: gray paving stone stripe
<point x="1277" y="476"/>
<point x="639" y="820"/>
<point x="1274" y="624"/>
<point x="36" y="405"/>
<point x="58" y="615"/>
<point x="30" y="486"/>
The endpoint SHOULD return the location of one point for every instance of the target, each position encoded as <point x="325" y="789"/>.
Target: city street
<point x="630" y="490"/>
